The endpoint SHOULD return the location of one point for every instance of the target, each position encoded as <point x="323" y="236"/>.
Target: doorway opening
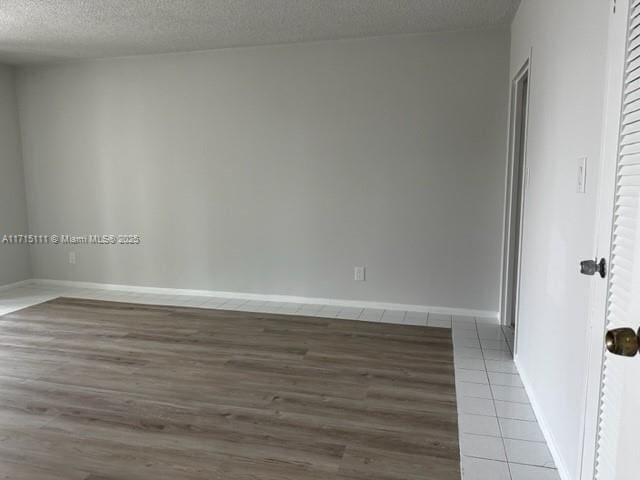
<point x="514" y="202"/>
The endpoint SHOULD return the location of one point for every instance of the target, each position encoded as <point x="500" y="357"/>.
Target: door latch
<point x="590" y="267"/>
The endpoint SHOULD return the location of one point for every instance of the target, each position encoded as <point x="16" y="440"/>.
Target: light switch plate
<point x="582" y="175"/>
<point x="359" y="274"/>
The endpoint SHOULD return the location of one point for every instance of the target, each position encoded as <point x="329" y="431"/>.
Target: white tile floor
<point x="499" y="436"/>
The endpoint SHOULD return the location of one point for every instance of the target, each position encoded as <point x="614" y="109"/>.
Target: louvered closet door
<point x="618" y="449"/>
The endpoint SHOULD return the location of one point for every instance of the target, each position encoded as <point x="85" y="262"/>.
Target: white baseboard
<point x="544" y="424"/>
<point x="21" y="283"/>
<point x="270" y="298"/>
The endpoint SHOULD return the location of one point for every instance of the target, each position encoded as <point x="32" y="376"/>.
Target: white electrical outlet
<point x="359" y="274"/>
<point x="72" y="258"/>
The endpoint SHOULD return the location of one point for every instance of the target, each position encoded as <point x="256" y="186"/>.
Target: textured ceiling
<point x="51" y="30"/>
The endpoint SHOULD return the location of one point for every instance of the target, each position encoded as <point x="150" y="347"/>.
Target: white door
<point x="612" y="429"/>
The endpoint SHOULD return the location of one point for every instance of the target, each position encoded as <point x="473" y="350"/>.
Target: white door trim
<point x="510" y="185"/>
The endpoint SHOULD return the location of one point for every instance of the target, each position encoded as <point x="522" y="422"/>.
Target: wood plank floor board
<point x="95" y="390"/>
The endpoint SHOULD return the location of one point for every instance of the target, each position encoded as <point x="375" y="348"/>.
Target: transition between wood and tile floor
<point x="499" y="436"/>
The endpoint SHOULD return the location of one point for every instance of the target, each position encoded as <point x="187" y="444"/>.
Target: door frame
<point x="509" y="235"/>
<point x="605" y="205"/>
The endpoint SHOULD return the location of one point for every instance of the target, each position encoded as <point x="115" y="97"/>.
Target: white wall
<point x="565" y="122"/>
<point x="278" y="169"/>
<point x="14" y="259"/>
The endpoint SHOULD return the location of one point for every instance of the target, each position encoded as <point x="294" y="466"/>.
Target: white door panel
<point x="618" y="448"/>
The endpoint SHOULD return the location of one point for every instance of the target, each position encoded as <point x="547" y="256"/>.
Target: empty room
<point x="319" y="239"/>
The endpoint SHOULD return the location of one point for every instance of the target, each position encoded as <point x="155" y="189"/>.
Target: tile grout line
<point x="495" y="408"/>
<point x="504" y="445"/>
<point x="500" y="423"/>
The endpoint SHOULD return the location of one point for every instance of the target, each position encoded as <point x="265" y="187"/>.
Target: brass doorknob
<point x="623" y="342"/>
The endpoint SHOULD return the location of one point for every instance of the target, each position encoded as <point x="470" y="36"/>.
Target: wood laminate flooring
<point x="94" y="390"/>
